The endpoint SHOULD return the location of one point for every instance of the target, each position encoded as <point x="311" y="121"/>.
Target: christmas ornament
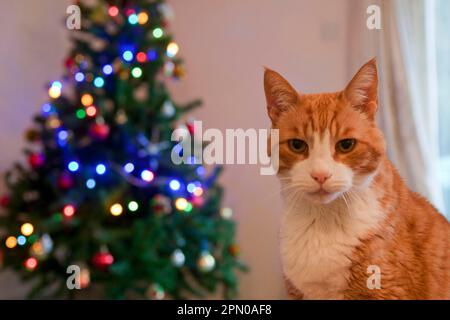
<point x="30" y="196"/>
<point x="5" y="200"/>
<point x="99" y="15"/>
<point x="65" y="181"/>
<point x="226" y="213"/>
<point x="108" y="105"/>
<point x="166" y="11"/>
<point x="32" y="135"/>
<point x="179" y="71"/>
<point x="103" y="259"/>
<point x="206" y="262"/>
<point x="69" y="62"/>
<point x="178" y="258"/>
<point x="121" y="117"/>
<point x="198" y="201"/>
<point x="99" y="131"/>
<point x="89" y="3"/>
<point x="85" y="277"/>
<point x="161" y="204"/>
<point x="155" y="292"/>
<point x="111" y="28"/>
<point x="47" y="243"/>
<point x="168" y="109"/>
<point x="141" y="93"/>
<point x="38" y="250"/>
<point x="36" y="160"/>
<point x="169" y="68"/>
<point x="233" y="250"/>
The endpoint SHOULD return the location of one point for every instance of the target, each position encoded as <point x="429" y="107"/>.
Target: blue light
<point x="57" y="84"/>
<point x="46" y="107"/>
<point x="152" y="55"/>
<point x="79" y="76"/>
<point x="201" y="171"/>
<point x="133" y="18"/>
<point x="99" y="82"/>
<point x="129" y="167"/>
<point x="191" y="187"/>
<point x="127" y="55"/>
<point x="21" y="240"/>
<point x="90" y="183"/>
<point x="100" y="168"/>
<point x="174" y="185"/>
<point x="73" y="166"/>
<point x="107" y="69"/>
<point x="63" y="135"/>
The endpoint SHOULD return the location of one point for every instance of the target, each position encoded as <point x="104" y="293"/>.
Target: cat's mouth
<point x="320" y="192"/>
<point x="322" y="196"/>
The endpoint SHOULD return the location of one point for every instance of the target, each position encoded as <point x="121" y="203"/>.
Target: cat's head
<point x="329" y="142"/>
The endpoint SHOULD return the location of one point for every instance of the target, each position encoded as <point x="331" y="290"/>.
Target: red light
<point x="113" y="11"/>
<point x="69" y="210"/>
<point x="91" y="111"/>
<point x="141" y="57"/>
<point x="31" y="264"/>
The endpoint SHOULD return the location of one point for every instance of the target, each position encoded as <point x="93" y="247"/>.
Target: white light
<point x="129" y="167"/>
<point x="147" y="175"/>
<point x="100" y="169"/>
<point x="174" y="185"/>
<point x="90" y="183"/>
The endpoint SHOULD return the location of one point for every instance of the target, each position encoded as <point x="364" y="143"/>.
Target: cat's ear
<point x="362" y="91"/>
<point x="280" y="95"/>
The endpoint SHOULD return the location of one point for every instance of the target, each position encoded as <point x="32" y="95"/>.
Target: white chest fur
<point x="317" y="242"/>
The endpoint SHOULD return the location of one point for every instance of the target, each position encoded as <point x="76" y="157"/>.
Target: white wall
<point x="225" y="44"/>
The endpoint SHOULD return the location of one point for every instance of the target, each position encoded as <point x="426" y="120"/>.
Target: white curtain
<point x="408" y="110"/>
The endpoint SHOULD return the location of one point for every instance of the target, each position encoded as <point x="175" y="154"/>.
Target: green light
<point x="136" y="72"/>
<point x="81" y="114"/>
<point x="157" y="33"/>
<point x="57" y="217"/>
<point x="32" y="239"/>
<point x="133" y="206"/>
<point x="188" y="207"/>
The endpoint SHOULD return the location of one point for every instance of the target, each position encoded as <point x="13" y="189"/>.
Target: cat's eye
<point x="346" y="145"/>
<point x="297" y="145"/>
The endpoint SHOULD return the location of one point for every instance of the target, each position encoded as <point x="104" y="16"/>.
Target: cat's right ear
<point x="280" y="95"/>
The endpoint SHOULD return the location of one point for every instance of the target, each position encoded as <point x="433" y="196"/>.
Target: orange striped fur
<point x="346" y="211"/>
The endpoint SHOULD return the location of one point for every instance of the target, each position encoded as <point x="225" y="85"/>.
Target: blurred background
<point x="317" y="45"/>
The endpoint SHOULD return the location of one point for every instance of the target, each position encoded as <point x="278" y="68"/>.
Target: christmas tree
<point x="100" y="191"/>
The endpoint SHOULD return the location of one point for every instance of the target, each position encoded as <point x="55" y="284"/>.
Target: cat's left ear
<point x="362" y="91"/>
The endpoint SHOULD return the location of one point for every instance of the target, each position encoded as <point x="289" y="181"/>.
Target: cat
<point x="351" y="228"/>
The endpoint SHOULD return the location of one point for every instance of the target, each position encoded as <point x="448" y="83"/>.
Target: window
<point x="443" y="70"/>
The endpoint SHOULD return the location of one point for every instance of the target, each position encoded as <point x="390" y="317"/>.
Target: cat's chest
<point x="316" y="251"/>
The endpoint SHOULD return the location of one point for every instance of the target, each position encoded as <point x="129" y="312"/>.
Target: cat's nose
<point x="320" y="176"/>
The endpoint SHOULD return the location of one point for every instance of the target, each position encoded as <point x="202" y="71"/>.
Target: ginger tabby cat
<point x="349" y="216"/>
